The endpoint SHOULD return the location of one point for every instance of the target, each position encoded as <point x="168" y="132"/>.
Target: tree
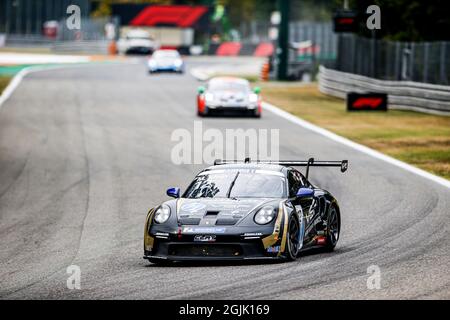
<point x="409" y="20"/>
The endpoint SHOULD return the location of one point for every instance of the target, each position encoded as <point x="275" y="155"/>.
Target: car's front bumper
<point x="138" y="49"/>
<point x="207" y="251"/>
<point x="232" y="109"/>
<point x="224" y="247"/>
<point x="165" y="69"/>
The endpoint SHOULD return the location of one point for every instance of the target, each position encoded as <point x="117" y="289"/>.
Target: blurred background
<point x="413" y="32"/>
<point x="307" y="55"/>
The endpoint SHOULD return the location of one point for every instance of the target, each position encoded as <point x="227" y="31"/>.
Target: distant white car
<point x="165" y="60"/>
<point x="137" y="41"/>
<point x="228" y="95"/>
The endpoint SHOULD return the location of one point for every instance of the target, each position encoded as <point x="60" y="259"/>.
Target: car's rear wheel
<point x="293" y="238"/>
<point x="333" y="228"/>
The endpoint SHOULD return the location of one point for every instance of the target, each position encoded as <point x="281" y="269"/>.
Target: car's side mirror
<point x="257" y="90"/>
<point x="305" y="193"/>
<point x="173" y="192"/>
<point x="201" y="90"/>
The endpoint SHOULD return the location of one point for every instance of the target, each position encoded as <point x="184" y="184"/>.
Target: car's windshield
<point x="237" y="184"/>
<point x="166" y="54"/>
<point x="138" y="35"/>
<point x="228" y="86"/>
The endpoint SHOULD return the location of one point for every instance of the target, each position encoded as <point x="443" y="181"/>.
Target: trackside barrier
<point x="229" y="49"/>
<point x="247" y="49"/>
<point x="263" y="49"/>
<point x="404" y="95"/>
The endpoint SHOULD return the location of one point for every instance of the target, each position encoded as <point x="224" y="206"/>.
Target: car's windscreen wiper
<point x="232" y="185"/>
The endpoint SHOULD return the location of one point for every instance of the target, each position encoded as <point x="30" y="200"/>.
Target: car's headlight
<point x="178" y="63"/>
<point x="253" y="97"/>
<point x="152" y="63"/>
<point x="162" y="214"/>
<point x="265" y="215"/>
<point x="209" y="97"/>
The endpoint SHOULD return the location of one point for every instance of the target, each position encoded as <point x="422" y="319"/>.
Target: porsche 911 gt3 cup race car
<point x="245" y="210"/>
<point x="228" y="95"/>
<point x="165" y="60"/>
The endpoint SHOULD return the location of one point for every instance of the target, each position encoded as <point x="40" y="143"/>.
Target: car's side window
<point x="295" y="182"/>
<point x="305" y="183"/>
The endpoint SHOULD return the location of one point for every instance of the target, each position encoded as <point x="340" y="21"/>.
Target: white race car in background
<point x="228" y="95"/>
<point x="165" y="60"/>
<point x="137" y="41"/>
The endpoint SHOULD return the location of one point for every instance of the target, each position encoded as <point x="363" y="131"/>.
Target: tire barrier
<point x="265" y="72"/>
<point x="403" y="95"/>
<point x="112" y="48"/>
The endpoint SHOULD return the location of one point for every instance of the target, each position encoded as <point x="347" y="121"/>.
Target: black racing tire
<point x="202" y="114"/>
<point x="205" y="112"/>
<point x="333" y="228"/>
<point x="292" y="238"/>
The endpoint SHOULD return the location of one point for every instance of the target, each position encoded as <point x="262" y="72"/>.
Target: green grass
<point x="249" y="77"/>
<point x="4" y="81"/>
<point x="420" y="139"/>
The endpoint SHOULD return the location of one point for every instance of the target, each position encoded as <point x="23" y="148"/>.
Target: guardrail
<point x="84" y="46"/>
<point x="99" y="46"/>
<point x="404" y="95"/>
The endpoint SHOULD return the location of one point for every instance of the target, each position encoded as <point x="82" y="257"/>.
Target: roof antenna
<point x="247" y="160"/>
<point x="310" y="162"/>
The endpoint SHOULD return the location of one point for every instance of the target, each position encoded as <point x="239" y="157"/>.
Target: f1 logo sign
<point x="366" y="101"/>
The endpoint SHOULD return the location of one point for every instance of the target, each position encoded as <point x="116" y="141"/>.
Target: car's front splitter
<point x="182" y="251"/>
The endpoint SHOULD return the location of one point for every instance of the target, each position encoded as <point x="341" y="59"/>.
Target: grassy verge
<point x="4" y="81"/>
<point x="419" y="139"/>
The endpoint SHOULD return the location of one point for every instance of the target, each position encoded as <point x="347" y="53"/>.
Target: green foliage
<point x="409" y="20"/>
<point x="4" y="81"/>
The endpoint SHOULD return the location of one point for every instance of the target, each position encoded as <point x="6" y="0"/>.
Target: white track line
<point x="354" y="145"/>
<point x="27" y="70"/>
<point x="17" y="79"/>
<point x="283" y="114"/>
<point x="12" y="86"/>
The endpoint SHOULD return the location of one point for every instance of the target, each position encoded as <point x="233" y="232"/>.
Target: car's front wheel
<point x="203" y="113"/>
<point x="333" y="228"/>
<point x="293" y="238"/>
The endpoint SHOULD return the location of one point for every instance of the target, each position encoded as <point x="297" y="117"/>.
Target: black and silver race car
<point x="244" y="210"/>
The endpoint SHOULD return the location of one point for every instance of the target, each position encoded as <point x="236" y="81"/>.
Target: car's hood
<point x="230" y="96"/>
<point x="218" y="211"/>
<point x="165" y="61"/>
<point x="136" y="42"/>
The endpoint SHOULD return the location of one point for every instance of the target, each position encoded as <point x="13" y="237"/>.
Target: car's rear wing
<point x="343" y="164"/>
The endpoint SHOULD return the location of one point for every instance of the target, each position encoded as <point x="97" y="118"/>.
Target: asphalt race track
<point x="85" y="152"/>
